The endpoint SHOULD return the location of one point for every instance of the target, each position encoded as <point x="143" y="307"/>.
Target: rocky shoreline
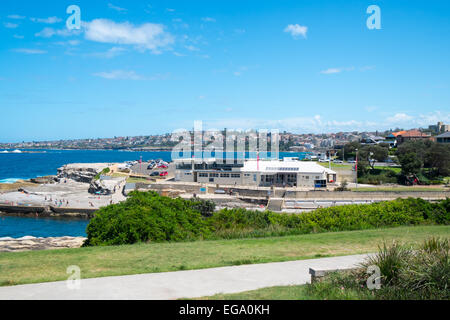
<point x="29" y="243"/>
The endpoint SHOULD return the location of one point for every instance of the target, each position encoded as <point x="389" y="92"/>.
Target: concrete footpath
<point x="182" y="284"/>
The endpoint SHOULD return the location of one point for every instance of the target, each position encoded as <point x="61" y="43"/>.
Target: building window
<point x="213" y="175"/>
<point x="187" y="173"/>
<point x="203" y="175"/>
<point x="247" y="175"/>
<point x="224" y="175"/>
<point x="235" y="175"/>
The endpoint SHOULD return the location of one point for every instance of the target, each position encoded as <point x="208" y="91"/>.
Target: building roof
<point x="395" y="134"/>
<point x="278" y="166"/>
<point x="414" y="133"/>
<point x="444" y="135"/>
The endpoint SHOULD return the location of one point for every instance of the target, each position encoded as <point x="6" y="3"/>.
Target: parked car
<point x="338" y="161"/>
<point x="154" y="174"/>
<point x="323" y="160"/>
<point x="163" y="174"/>
<point x="151" y="166"/>
<point x="162" y="166"/>
<point x="351" y="161"/>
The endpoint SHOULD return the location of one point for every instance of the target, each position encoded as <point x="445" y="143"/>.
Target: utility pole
<point x="356" y="168"/>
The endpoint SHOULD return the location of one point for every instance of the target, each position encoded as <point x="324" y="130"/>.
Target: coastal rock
<point x="80" y="172"/>
<point x="29" y="243"/>
<point x="43" y="180"/>
<point x="106" y="185"/>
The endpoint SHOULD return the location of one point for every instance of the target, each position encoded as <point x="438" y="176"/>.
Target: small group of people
<point x="59" y="203"/>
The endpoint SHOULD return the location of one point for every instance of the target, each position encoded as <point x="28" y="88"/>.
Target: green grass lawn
<point x="400" y="189"/>
<point x="51" y="265"/>
<point x="395" y="169"/>
<point x="336" y="165"/>
<point x="271" y="293"/>
<point x="299" y="292"/>
<point x="139" y="180"/>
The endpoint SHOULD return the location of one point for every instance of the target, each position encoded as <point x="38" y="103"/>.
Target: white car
<point x="324" y="160"/>
<point x="338" y="161"/>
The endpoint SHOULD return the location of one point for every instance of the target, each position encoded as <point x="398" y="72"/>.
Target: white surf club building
<point x="289" y="172"/>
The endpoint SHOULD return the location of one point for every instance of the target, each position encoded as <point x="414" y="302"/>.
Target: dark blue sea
<point x="14" y="166"/>
<point x="17" y="227"/>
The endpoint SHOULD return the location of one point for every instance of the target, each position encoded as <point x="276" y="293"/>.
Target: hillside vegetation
<point x="149" y="217"/>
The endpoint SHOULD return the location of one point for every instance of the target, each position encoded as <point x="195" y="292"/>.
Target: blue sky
<point x="147" y="67"/>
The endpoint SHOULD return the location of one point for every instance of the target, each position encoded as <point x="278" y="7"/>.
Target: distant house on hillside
<point x="394" y="135"/>
<point x="443" y="138"/>
<point x="412" y="135"/>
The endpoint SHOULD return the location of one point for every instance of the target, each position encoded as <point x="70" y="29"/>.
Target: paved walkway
<point x="182" y="284"/>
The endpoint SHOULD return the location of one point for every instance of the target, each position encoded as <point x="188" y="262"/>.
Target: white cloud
<point x="17" y="36"/>
<point x="208" y="19"/>
<point x="318" y="124"/>
<point x="366" y="68"/>
<point x="399" y="117"/>
<point x="119" y="75"/>
<point x="110" y="53"/>
<point x="296" y="30"/>
<point x="130" y="75"/>
<point x="148" y="36"/>
<point x="10" y="25"/>
<point x="191" y="48"/>
<point x="49" y="20"/>
<point x="119" y="9"/>
<point x="16" y="17"/>
<point x="331" y="71"/>
<point x="336" y="70"/>
<point x="50" y="32"/>
<point x="69" y="42"/>
<point x="30" y="51"/>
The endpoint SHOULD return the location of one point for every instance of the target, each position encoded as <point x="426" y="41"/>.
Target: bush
<point x="205" y="207"/>
<point x="104" y="171"/>
<point x="143" y="217"/>
<point x="406" y="274"/>
<point x="146" y="216"/>
<point x="379" y="176"/>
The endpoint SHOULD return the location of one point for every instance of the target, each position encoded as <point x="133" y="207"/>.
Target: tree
<point x="372" y="153"/>
<point x="411" y="164"/>
<point x="437" y="158"/>
<point x="349" y="149"/>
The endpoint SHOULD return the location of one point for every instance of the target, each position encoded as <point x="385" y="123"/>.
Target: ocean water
<point x="14" y="166"/>
<point x="17" y="227"/>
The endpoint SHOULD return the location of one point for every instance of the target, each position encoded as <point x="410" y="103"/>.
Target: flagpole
<point x="356" y="168"/>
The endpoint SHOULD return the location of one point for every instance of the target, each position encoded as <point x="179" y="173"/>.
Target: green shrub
<point x="205" y="207"/>
<point x="143" y="217"/>
<point x="146" y="216"/>
<point x="406" y="274"/>
<point x="104" y="171"/>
